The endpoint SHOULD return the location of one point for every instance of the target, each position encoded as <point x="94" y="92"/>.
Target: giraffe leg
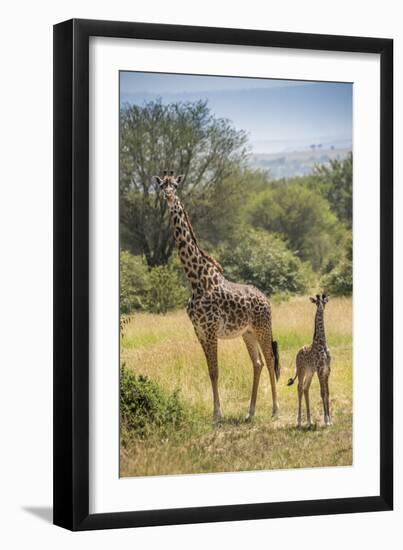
<point x="307" y="383"/>
<point x="253" y="349"/>
<point x="210" y="351"/>
<point x="323" y="396"/>
<point x="324" y="393"/>
<point x="300" y="392"/>
<point x="329" y="420"/>
<point x="265" y="344"/>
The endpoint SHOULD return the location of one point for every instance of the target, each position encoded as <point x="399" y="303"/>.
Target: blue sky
<point x="278" y="115"/>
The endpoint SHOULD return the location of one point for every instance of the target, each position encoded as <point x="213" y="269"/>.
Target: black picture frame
<point x="71" y="274"/>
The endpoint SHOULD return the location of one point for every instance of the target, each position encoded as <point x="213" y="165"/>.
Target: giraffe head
<point x="169" y="184"/>
<point x="320" y="301"/>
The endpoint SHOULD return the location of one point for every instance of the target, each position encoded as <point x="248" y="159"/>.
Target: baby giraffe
<point x="311" y="359"/>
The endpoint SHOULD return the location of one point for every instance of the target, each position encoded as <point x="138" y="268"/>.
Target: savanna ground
<point x="165" y="349"/>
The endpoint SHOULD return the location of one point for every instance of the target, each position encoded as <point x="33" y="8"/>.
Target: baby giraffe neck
<point x="319" y="336"/>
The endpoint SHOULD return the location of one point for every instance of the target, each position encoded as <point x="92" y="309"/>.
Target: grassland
<point x="165" y="349"/>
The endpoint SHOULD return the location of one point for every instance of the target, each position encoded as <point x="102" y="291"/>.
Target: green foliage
<point x="220" y="210"/>
<point x="185" y="137"/>
<point x="335" y="181"/>
<point x="134" y="283"/>
<point x="339" y="281"/>
<point x="145" y="409"/>
<point x="263" y="259"/>
<point x="304" y="220"/>
<point x="166" y="290"/>
<point x="156" y="289"/>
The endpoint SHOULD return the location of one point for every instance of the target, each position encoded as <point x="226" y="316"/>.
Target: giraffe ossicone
<point x="219" y="308"/>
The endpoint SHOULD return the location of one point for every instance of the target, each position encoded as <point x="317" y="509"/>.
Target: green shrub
<point x="335" y="182"/>
<point x="339" y="281"/>
<point x="145" y="409"/>
<point x="303" y="218"/>
<point x="154" y="289"/>
<point x="134" y="283"/>
<point x="263" y="259"/>
<point x="166" y="290"/>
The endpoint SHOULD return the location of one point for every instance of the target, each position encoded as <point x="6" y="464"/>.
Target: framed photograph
<point x="223" y="320"/>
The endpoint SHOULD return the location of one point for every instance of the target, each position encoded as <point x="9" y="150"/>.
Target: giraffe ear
<point x="312" y="300"/>
<point x="180" y="178"/>
<point x="158" y="180"/>
<point x="325" y="298"/>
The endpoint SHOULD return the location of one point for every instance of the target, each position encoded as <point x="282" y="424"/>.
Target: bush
<point x="335" y="181"/>
<point x="166" y="290"/>
<point x="134" y="283"/>
<point x="156" y="289"/>
<point x="263" y="259"/>
<point x="339" y="282"/>
<point x="146" y="409"/>
<point x="303" y="218"/>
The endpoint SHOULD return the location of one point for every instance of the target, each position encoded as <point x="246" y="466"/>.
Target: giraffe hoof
<point x="249" y="417"/>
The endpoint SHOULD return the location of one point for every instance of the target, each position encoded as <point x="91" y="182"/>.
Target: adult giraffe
<point x="219" y="308"/>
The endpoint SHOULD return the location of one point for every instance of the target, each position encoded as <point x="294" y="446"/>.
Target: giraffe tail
<point x="276" y="359"/>
<point x="292" y="380"/>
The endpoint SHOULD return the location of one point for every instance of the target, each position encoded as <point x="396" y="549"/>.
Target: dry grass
<point x="166" y="349"/>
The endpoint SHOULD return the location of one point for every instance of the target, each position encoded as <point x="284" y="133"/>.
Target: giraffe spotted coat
<point x="314" y="359"/>
<point x="219" y="308"/>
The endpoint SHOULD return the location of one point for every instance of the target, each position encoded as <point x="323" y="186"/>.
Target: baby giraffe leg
<point x="253" y="349"/>
<point x="307" y="383"/>
<point x="300" y="392"/>
<point x="324" y="393"/>
<point x="329" y="420"/>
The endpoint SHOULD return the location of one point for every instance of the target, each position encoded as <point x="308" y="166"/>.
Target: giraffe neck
<point x="199" y="267"/>
<point x="319" y="337"/>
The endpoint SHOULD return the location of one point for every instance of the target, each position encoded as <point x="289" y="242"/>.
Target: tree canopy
<point x="335" y="183"/>
<point x="303" y="218"/>
<point x="263" y="260"/>
<point x="184" y="137"/>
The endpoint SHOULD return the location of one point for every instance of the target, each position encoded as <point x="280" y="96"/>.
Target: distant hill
<point x="296" y="163"/>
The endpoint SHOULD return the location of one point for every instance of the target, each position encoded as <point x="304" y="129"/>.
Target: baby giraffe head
<point x="320" y="301"/>
<point x="169" y="184"/>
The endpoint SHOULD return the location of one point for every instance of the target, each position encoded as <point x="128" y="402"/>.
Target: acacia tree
<point x="263" y="259"/>
<point x="185" y="137"/>
<point x="304" y="219"/>
<point x="336" y="183"/>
